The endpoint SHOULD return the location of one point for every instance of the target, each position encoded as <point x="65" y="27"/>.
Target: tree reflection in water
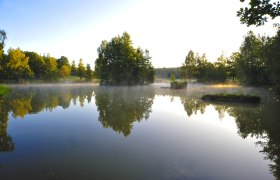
<point x="6" y="142"/>
<point x="120" y="107"/>
<point x="260" y="121"/>
<point x="34" y="99"/>
<point x="251" y="120"/>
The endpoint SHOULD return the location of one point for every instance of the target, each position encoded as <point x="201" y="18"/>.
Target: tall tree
<point x="231" y="65"/>
<point x="51" y="68"/>
<point x="73" y="69"/>
<point x="188" y="69"/>
<point x="81" y="69"/>
<point x="88" y="73"/>
<point x="3" y="37"/>
<point x="274" y="60"/>
<point x="251" y="67"/>
<point x="258" y="12"/>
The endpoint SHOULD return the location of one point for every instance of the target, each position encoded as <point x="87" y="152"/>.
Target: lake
<point x="90" y="132"/>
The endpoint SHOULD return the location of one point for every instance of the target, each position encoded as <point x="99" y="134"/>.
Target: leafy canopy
<point x="119" y="63"/>
<point x="258" y="12"/>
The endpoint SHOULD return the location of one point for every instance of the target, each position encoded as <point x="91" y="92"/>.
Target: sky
<point x="167" y="28"/>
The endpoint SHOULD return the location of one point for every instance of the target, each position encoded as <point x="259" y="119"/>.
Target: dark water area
<point x="91" y="132"/>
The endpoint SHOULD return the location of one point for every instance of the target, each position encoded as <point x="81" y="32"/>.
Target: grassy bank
<point x="4" y="89"/>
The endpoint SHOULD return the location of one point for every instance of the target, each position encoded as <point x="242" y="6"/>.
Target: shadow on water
<point x="120" y="107"/>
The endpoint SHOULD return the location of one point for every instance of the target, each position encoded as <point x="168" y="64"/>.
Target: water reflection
<point x="34" y="99"/>
<point x="6" y="142"/>
<point x="261" y="122"/>
<point x="119" y="108"/>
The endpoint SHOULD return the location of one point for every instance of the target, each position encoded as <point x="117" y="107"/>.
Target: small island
<point x="232" y="98"/>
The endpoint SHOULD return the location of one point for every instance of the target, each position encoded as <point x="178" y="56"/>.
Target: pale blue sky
<point x="168" y="29"/>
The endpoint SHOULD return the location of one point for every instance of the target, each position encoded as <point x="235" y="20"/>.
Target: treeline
<point x="166" y="73"/>
<point x="20" y="65"/>
<point x="256" y="63"/>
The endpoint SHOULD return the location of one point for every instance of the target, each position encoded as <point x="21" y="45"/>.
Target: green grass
<point x="4" y="90"/>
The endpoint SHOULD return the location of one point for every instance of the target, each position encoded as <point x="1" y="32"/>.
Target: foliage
<point x="51" y="68"/>
<point x="258" y="12"/>
<point x="64" y="71"/>
<point x="197" y="67"/>
<point x="36" y="64"/>
<point x="165" y="73"/>
<point x="16" y="65"/>
<point x="88" y="73"/>
<point x="251" y="65"/>
<point x="22" y="66"/>
<point x="81" y="69"/>
<point x="188" y="69"/>
<point x="62" y="61"/>
<point x="3" y="37"/>
<point x="274" y="59"/>
<point x="73" y="69"/>
<point x="119" y="63"/>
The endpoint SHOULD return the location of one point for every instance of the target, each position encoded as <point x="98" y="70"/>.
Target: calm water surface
<point x="91" y="132"/>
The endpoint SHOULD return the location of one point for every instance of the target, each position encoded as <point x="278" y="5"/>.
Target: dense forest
<point x="18" y="65"/>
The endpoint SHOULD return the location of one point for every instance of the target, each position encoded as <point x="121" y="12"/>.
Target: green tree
<point x="274" y="59"/>
<point x="3" y="37"/>
<point x="221" y="68"/>
<point x="73" y="68"/>
<point x="231" y="69"/>
<point x="16" y="65"/>
<point x="88" y="73"/>
<point x="51" y="68"/>
<point x="81" y="69"/>
<point x="62" y="61"/>
<point x="64" y="71"/>
<point x="36" y="64"/>
<point x="119" y="62"/>
<point x="251" y="67"/>
<point x="258" y="12"/>
<point x="188" y="69"/>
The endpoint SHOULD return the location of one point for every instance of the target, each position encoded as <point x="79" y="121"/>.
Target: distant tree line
<point x="24" y="65"/>
<point x="166" y="73"/>
<point x="256" y="63"/>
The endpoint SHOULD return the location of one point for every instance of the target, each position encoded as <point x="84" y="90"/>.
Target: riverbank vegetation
<point x="257" y="63"/>
<point x="22" y="66"/>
